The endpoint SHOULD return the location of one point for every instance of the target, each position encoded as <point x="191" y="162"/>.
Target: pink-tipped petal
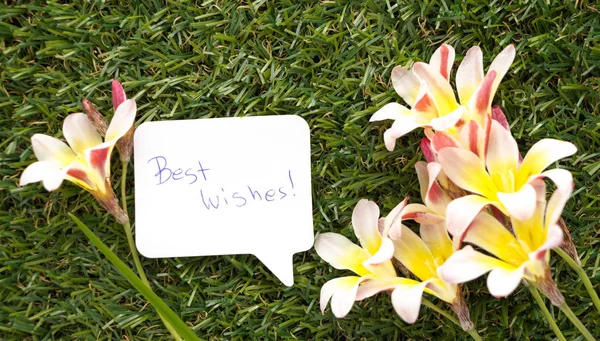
<point x="520" y="205"/>
<point x="80" y="133"/>
<point x="461" y="212"/>
<point x="442" y="60"/>
<point x="406" y="300"/>
<point x="48" y="148"/>
<point x="365" y="218"/>
<point x="501" y="64"/>
<point x="469" y="74"/>
<point x="98" y="159"/>
<point x="466" y="170"/>
<point x="118" y="94"/>
<point x="122" y="121"/>
<point x="481" y="101"/>
<point x="503" y="153"/>
<point x="498" y="116"/>
<point x="406" y="84"/>
<point x="472" y="136"/>
<point x="502" y="282"/>
<point x="341" y="253"/>
<point x="442" y="140"/>
<point x="426" y="149"/>
<point x="438" y="87"/>
<point x="467" y="264"/>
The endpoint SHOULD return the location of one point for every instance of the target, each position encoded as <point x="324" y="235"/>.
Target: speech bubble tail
<point x="281" y="266"/>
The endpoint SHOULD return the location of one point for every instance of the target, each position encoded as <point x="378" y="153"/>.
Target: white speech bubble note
<point x="225" y="186"/>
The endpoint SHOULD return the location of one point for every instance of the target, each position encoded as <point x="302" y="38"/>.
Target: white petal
<point x="342" y="292"/>
<point x="80" y="133"/>
<point x="503" y="153"/>
<point x="377" y="285"/>
<point x="466" y="170"/>
<point x="502" y="282"/>
<point x="406" y="84"/>
<point x="122" y="121"/>
<point x="467" y="264"/>
<point x="46" y="171"/>
<point x="394" y="218"/>
<point x="556" y="204"/>
<point x="406" y="300"/>
<point x="469" y="74"/>
<point x="341" y="253"/>
<point x="48" y="148"/>
<point x="401" y="127"/>
<point x="385" y="253"/>
<point x="554" y="237"/>
<point x="461" y="212"/>
<point x="391" y="111"/>
<point x="365" y="218"/>
<point x="541" y="155"/>
<point x="520" y="205"/>
<point x="448" y="121"/>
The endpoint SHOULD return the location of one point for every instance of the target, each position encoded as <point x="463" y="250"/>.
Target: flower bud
<point x="98" y="121"/>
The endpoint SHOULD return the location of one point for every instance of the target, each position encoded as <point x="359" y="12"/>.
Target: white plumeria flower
<point x="523" y="255"/>
<point x="86" y="160"/>
<point x="342" y="254"/>
<point x="427" y="90"/>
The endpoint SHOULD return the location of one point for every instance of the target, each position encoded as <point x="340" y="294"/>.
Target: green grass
<point x="329" y="63"/>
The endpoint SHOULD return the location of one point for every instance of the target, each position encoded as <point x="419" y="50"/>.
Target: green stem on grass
<point x="584" y="278"/>
<point x="161" y="307"/>
<point x="540" y="301"/>
<point x="133" y="249"/>
<point x="571" y="316"/>
<point x="451" y="318"/>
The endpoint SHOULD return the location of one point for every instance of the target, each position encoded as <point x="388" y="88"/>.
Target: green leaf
<point x="137" y="283"/>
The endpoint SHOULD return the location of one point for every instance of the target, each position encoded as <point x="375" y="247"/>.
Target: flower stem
<point x="584" y="278"/>
<point x="451" y="318"/>
<point x="540" y="301"/>
<point x="571" y="316"/>
<point x="134" y="253"/>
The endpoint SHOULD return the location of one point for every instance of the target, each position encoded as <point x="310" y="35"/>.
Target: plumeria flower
<point x="85" y="161"/>
<point x="502" y="180"/>
<point x="342" y="254"/>
<point x="427" y="90"/>
<point x="523" y="255"/>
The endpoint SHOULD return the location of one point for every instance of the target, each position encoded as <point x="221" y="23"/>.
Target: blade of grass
<point x="137" y="283"/>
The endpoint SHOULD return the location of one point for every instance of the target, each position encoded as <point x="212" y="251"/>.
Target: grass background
<point x="328" y="62"/>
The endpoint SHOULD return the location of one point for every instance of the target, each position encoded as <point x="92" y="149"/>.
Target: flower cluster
<point x="485" y="207"/>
